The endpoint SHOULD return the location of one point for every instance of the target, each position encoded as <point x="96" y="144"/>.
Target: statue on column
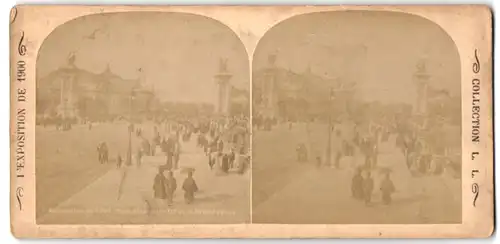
<point x="268" y="87"/>
<point x="71" y="60"/>
<point x="421" y="80"/>
<point x="223" y="65"/>
<point x="222" y="79"/>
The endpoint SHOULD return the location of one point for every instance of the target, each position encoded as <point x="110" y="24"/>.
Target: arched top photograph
<point x="129" y="108"/>
<point x="369" y="103"/>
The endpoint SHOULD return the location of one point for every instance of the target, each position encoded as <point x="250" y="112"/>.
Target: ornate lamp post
<point x="130" y="128"/>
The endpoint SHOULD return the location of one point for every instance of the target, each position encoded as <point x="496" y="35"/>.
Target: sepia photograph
<point x="357" y="120"/>
<point x="251" y="121"/>
<point x="142" y="118"/>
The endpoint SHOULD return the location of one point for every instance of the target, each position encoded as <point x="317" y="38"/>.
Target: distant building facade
<point x="239" y="102"/>
<point x="71" y="92"/>
<point x="282" y="93"/>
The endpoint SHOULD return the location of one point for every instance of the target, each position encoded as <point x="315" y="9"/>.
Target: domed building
<point x="281" y="93"/>
<point x="73" y="93"/>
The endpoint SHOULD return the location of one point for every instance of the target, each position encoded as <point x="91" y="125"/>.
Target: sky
<point x="380" y="50"/>
<point x="178" y="53"/>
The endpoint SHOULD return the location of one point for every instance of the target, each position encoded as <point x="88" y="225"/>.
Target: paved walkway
<point x="221" y="199"/>
<point x="323" y="196"/>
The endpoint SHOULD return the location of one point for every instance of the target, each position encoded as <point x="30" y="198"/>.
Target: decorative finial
<point x="272" y="59"/>
<point x="223" y="65"/>
<point x="421" y="66"/>
<point x="71" y="59"/>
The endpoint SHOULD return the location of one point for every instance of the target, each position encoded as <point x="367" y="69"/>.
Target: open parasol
<point x="185" y="170"/>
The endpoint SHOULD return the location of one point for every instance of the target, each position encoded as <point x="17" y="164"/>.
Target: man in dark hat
<point x="102" y="150"/>
<point x="357" y="185"/>
<point x="146" y="147"/>
<point x="159" y="185"/>
<point x="189" y="186"/>
<point x="170" y="151"/>
<point x="387" y="188"/>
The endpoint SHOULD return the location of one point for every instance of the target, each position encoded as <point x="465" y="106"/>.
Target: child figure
<point x="189" y="186"/>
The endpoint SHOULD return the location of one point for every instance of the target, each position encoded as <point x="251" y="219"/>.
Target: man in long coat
<point x="357" y="185"/>
<point x="102" y="150"/>
<point x="189" y="186"/>
<point x="387" y="188"/>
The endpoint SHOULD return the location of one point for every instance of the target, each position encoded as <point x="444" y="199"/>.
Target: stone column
<point x="223" y="88"/>
<point x="223" y="85"/>
<point x="66" y="104"/>
<point x="421" y="78"/>
<point x="268" y="88"/>
<point x="268" y="94"/>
